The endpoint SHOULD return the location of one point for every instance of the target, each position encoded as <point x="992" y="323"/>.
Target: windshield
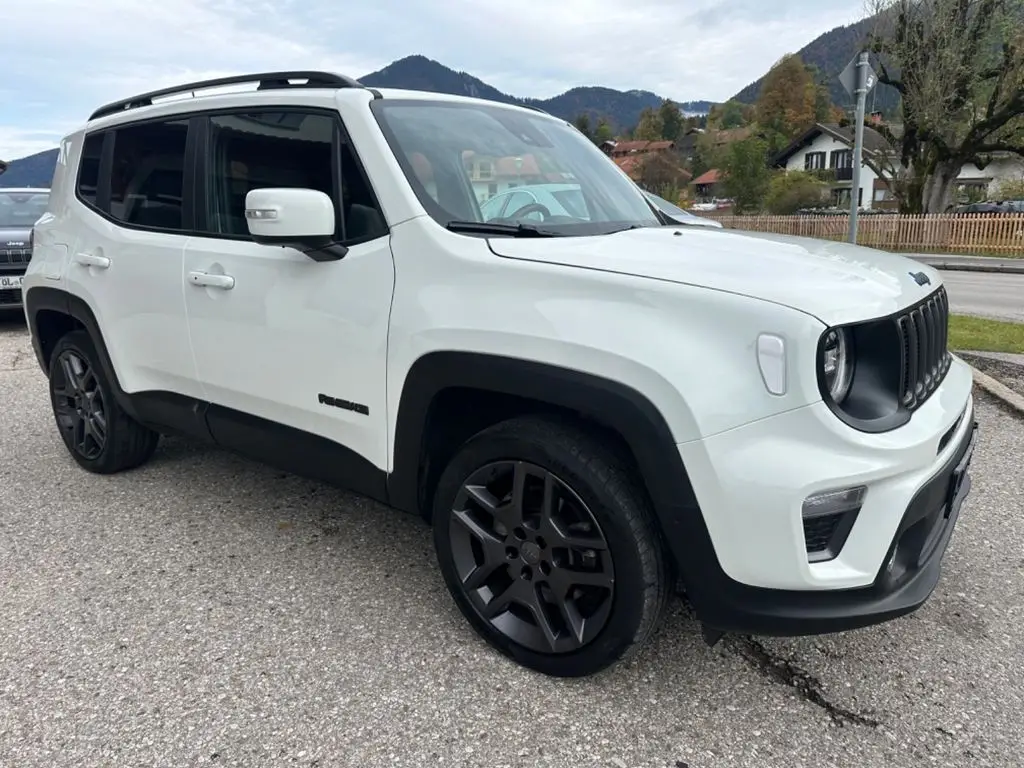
<point x="497" y="165"/>
<point x="21" y="210"/>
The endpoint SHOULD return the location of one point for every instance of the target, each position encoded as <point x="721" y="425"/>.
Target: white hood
<point x="835" y="282"/>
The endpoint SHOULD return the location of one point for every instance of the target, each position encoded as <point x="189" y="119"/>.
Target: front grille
<point x="924" y="334"/>
<point x="15" y="255"/>
<point x="10" y="296"/>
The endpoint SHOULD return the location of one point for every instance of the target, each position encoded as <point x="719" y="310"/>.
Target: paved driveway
<point x="986" y="294"/>
<point x="205" y="610"/>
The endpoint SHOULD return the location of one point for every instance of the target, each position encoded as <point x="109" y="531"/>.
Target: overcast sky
<point x="61" y="58"/>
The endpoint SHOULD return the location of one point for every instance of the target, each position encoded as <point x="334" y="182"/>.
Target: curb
<point x="948" y="266"/>
<point x="999" y="391"/>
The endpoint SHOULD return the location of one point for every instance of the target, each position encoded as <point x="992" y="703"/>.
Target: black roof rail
<point x="266" y="80"/>
<point x="535" y="108"/>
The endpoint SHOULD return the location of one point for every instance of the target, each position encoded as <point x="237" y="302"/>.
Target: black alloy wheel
<point x="532" y="557"/>
<point x="78" y="405"/>
<point x="100" y="436"/>
<point x="548" y="545"/>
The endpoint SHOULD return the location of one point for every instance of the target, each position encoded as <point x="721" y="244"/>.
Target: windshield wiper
<point x="490" y="228"/>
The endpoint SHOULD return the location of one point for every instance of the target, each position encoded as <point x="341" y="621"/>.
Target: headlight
<point x="837" y="363"/>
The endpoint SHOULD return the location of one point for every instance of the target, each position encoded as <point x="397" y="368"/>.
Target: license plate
<point x="10" y="281"/>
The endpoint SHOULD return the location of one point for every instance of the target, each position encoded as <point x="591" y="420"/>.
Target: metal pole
<point x="858" y="141"/>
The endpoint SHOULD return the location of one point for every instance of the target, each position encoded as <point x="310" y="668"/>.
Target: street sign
<point x="848" y="78"/>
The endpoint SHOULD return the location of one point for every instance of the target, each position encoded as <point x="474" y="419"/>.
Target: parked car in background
<point x="19" y="211"/>
<point x="679" y="215"/>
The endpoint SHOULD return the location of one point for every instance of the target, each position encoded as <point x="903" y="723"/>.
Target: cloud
<point x="71" y="56"/>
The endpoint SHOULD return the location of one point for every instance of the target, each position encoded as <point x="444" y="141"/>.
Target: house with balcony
<point x="826" y="149"/>
<point x="491" y="176"/>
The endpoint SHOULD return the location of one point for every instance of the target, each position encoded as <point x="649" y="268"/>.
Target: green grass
<point x="981" y="335"/>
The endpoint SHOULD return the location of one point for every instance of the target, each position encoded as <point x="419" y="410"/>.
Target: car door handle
<point x="224" y="282"/>
<point x="92" y="260"/>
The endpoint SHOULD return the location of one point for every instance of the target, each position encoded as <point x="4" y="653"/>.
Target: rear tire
<point x="97" y="432"/>
<point x="549" y="547"/>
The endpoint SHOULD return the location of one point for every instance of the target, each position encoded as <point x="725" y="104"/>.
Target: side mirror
<point x="302" y="219"/>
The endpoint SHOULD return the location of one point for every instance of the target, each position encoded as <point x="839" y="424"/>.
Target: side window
<point x="256" y="150"/>
<point x="147" y="180"/>
<point x="89" y="167"/>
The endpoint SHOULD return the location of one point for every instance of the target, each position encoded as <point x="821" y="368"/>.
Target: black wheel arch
<point x="522" y="386"/>
<point x="53" y="312"/>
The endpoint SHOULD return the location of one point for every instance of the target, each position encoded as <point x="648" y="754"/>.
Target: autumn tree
<point x="663" y="174"/>
<point x="788" y="101"/>
<point x="732" y="114"/>
<point x="672" y="120"/>
<point x="650" y="126"/>
<point x="746" y="172"/>
<point x="958" y="66"/>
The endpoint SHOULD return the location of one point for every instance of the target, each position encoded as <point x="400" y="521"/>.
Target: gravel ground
<point x="1004" y="368"/>
<point x="205" y="610"/>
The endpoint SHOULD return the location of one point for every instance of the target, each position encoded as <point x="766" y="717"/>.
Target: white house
<point x="827" y="148"/>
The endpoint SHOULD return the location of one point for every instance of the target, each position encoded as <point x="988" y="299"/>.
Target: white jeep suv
<point x="589" y="408"/>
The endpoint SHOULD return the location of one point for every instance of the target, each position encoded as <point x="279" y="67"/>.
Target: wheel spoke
<point x="564" y="579"/>
<point x="574" y="622"/>
<point x="485" y="537"/>
<point x="88" y="379"/>
<point x="482" y="497"/>
<point x="501" y="602"/>
<point x="535" y="606"/>
<point x="81" y="430"/>
<point x="70" y="375"/>
<point x="98" y="424"/>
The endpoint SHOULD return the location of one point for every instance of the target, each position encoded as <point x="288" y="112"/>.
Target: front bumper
<point x="750" y="483"/>
<point x="906" y="579"/>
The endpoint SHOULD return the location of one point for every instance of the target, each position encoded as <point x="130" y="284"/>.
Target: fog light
<point x="834" y="502"/>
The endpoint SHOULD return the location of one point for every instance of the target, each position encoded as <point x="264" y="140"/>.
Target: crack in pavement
<point x="807" y="686"/>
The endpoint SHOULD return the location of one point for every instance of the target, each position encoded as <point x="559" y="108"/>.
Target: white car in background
<point x="541" y="202"/>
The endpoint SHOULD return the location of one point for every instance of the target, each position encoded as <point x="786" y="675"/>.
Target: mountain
<point x="621" y="108"/>
<point x="830" y="53"/>
<point x="32" y="171"/>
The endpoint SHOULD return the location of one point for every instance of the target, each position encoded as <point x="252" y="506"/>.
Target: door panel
<point x="276" y="334"/>
<point x="292" y="329"/>
<point x="128" y="266"/>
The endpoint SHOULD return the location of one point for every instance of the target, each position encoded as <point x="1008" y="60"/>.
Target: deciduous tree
<point x="746" y="173"/>
<point x="959" y="68"/>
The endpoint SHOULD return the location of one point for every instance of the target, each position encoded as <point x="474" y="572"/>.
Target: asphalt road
<point x="986" y="294"/>
<point x="205" y="610"/>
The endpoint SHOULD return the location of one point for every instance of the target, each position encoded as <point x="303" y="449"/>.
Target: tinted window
<point x="283" y="149"/>
<point x="21" y="210"/>
<point x="148" y="174"/>
<point x="89" y="168"/>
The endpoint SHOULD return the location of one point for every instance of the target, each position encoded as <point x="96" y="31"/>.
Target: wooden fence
<point x="971" y="233"/>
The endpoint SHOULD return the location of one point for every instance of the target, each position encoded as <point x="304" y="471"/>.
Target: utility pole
<point x="858" y="79"/>
<point x="861" y="91"/>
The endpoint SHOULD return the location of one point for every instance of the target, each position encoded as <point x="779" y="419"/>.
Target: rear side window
<point x="89" y="168"/>
<point x="148" y="174"/>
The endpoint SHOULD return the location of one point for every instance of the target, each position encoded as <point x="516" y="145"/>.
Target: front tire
<point x="548" y="546"/>
<point x="97" y="432"/>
